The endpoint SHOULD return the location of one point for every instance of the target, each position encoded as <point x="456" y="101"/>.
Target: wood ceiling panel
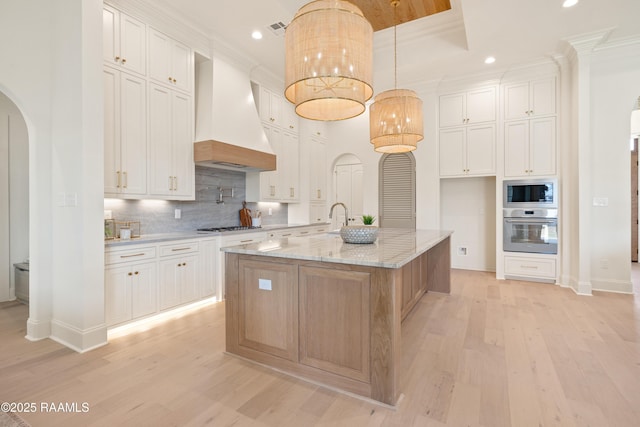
<point x="380" y="12"/>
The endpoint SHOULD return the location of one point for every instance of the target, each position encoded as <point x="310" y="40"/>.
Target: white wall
<point x="615" y="87"/>
<point x="468" y="206"/>
<point x="352" y="136"/>
<point x="52" y="70"/>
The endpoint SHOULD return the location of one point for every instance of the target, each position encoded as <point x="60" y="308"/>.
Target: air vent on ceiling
<point x="277" y="28"/>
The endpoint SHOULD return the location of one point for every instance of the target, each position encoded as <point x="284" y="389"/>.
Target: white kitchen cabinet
<point x="318" y="212"/>
<point x="471" y="107"/>
<point x="179" y="273"/>
<point x="130" y="292"/>
<point x="275" y="110"/>
<point x="124" y="41"/>
<point x="530" y="147"/>
<point x="171" y="166"/>
<point x="289" y="168"/>
<point x="125" y="134"/>
<point x="209" y="265"/>
<point x="283" y="184"/>
<point x="271" y="107"/>
<point x="317" y="169"/>
<point x="468" y="151"/>
<point x="531" y="266"/>
<point x="170" y="62"/>
<point x="531" y="99"/>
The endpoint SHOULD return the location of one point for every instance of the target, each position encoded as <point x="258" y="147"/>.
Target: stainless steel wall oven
<point x="531" y="230"/>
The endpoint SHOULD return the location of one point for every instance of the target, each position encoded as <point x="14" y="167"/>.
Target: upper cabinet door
<point x="543" y="97"/>
<point x="476" y="106"/>
<point x="481" y="106"/>
<point x="452" y="110"/>
<point x="530" y="99"/>
<point x="516" y="101"/>
<point x="170" y="62"/>
<point x="124" y="41"/>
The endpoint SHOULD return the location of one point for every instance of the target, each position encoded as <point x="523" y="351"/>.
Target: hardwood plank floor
<point x="493" y="353"/>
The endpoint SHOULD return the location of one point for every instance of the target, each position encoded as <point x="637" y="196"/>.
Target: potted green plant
<point x="368" y="219"/>
<point x="366" y="233"/>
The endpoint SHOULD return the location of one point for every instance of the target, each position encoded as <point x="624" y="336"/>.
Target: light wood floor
<point x="493" y="353"/>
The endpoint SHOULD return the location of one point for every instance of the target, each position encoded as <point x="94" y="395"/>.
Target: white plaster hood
<point x="229" y="132"/>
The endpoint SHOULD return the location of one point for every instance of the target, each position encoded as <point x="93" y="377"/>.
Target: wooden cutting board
<point x="245" y="216"/>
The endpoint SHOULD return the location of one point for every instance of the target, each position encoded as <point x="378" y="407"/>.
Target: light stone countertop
<point x="184" y="235"/>
<point x="392" y="249"/>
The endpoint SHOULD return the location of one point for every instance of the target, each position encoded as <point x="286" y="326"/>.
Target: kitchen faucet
<point x="346" y="212"/>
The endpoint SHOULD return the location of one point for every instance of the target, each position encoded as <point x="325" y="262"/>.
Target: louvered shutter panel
<point x="397" y="191"/>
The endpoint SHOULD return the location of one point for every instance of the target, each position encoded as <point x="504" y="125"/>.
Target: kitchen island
<point x="331" y="312"/>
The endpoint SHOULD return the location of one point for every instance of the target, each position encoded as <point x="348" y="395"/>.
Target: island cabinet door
<point x="267" y="310"/>
<point x="335" y="321"/>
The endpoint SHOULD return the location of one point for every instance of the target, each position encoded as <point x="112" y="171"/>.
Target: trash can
<point x="22" y="281"/>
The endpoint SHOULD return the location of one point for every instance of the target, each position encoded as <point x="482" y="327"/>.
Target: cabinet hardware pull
<point x="126" y="179"/>
<point x="286" y="235"/>
<point x="130" y="274"/>
<point x="246" y="241"/>
<point x="131" y="256"/>
<point x="180" y="249"/>
<point x="117" y="58"/>
<point x="304" y="232"/>
<point x="136" y="273"/>
<point x="124" y="60"/>
<point x="170" y="79"/>
<point x="175" y="183"/>
<point x="290" y="126"/>
<point x="532" y="267"/>
<point x="118" y="175"/>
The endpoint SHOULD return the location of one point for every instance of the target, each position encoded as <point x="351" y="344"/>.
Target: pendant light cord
<point x="395" y="3"/>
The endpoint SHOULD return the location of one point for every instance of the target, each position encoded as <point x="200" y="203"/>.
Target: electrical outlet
<point x="462" y="251"/>
<point x="264" y="284"/>
<point x="178" y="214"/>
<point x="270" y="212"/>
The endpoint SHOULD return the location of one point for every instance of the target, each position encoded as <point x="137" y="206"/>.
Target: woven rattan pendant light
<point x="395" y="117"/>
<point x="329" y="60"/>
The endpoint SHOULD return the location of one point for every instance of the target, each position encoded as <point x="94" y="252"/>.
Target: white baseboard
<point x="616" y="286"/>
<point x="38" y="330"/>
<point x="77" y="339"/>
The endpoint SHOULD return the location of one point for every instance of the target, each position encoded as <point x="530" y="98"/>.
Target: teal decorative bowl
<point x="359" y="234"/>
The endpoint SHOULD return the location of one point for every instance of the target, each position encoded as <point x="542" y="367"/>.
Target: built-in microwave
<point x="530" y="193"/>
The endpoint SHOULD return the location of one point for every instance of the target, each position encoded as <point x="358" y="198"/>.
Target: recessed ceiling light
<point x="490" y="60"/>
<point x="569" y="3"/>
<point x="257" y="35"/>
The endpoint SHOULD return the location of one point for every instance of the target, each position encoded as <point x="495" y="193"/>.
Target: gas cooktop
<point x="231" y="228"/>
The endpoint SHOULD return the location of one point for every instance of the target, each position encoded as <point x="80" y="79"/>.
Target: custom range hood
<point x="229" y="132"/>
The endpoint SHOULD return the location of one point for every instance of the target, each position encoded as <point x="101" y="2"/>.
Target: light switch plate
<point x="600" y="201"/>
<point x="264" y="284"/>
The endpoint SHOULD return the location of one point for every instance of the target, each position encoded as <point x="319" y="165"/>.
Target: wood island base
<point x="330" y="323"/>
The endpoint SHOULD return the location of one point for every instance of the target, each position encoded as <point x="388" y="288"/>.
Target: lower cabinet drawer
<point x="178" y="249"/>
<point x="115" y="256"/>
<point x="533" y="267"/>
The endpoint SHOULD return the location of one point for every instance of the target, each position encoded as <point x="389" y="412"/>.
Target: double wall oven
<point x="530" y="216"/>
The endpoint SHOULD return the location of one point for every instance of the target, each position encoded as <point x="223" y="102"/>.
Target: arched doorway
<point x="14" y="197"/>
<point x="397" y="198"/>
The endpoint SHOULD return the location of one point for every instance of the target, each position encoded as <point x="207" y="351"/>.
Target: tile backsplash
<point x="158" y="216"/>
